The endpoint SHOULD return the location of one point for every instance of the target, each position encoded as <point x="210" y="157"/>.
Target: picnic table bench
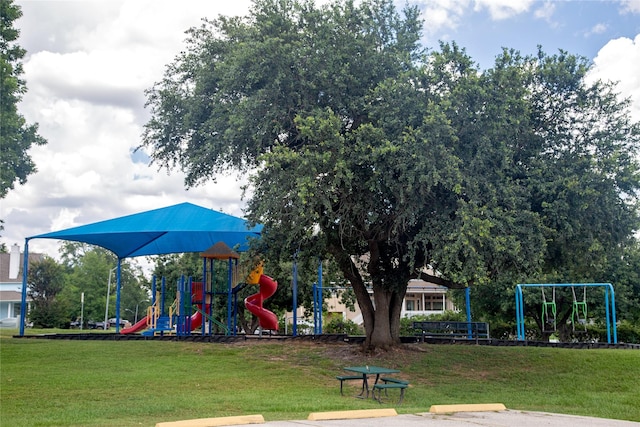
<point x="450" y="329"/>
<point x="380" y="384"/>
<point x="389" y="383"/>
<point x="343" y="378"/>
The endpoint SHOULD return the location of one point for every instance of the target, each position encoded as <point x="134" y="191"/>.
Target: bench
<point x="343" y="378"/>
<point x="390" y="383"/>
<point x="393" y="380"/>
<point x="449" y="329"/>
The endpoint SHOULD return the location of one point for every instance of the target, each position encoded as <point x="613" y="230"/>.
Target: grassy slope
<point x="126" y="383"/>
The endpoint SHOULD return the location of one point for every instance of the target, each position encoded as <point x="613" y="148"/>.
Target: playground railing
<point x="451" y="329"/>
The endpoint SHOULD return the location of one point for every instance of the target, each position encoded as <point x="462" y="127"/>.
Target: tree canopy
<point x="46" y="282"/>
<point x="16" y="135"/>
<point x="89" y="269"/>
<point x="407" y="161"/>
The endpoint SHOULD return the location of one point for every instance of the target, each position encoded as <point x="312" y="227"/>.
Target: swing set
<point x="578" y="311"/>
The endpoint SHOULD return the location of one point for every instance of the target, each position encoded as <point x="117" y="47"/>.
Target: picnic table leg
<point x="365" y="386"/>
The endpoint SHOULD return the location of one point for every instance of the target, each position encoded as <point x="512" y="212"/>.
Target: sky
<point x="89" y="63"/>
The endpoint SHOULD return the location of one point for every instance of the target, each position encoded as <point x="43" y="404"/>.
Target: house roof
<point x="10" y="296"/>
<point x="179" y="228"/>
<point x="5" y="260"/>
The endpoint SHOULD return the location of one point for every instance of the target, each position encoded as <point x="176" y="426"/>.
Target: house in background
<point x="422" y="299"/>
<point x="11" y="266"/>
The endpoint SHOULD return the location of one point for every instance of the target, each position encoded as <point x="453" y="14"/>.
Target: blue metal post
<point x="234" y="312"/>
<point x="23" y="301"/>
<point x="163" y="288"/>
<point x="212" y="264"/>
<point x="153" y="290"/>
<point x="613" y="314"/>
<point x="320" y="296"/>
<point x="317" y="309"/>
<point x="606" y="310"/>
<point x="295" y="295"/>
<point x="467" y="300"/>
<point x="519" y="316"/>
<point x="205" y="291"/>
<point x="118" y="286"/>
<point x="189" y="306"/>
<point x="229" y="296"/>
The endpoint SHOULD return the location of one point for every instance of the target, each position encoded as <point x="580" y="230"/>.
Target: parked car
<point x="123" y="323"/>
<point x="97" y="325"/>
<point x="9" y="322"/>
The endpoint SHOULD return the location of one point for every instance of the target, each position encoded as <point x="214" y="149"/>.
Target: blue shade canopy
<point x="175" y="229"/>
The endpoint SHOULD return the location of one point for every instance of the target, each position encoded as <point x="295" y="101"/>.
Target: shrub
<point x="341" y="326"/>
<point x="406" y="323"/>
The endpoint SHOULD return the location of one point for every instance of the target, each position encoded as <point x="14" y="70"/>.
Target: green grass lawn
<point x="140" y="383"/>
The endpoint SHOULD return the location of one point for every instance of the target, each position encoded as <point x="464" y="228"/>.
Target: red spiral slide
<point x="268" y="319"/>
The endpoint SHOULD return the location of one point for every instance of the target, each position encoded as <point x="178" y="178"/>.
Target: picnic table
<point x="363" y="374"/>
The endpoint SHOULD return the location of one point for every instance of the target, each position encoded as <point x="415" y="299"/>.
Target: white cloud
<point x="546" y="12"/>
<point x="599" y="28"/>
<point x="503" y="9"/>
<point x="440" y="15"/>
<point x="619" y="61"/>
<point x="443" y="15"/>
<point x="630" y="6"/>
<point x="87" y="68"/>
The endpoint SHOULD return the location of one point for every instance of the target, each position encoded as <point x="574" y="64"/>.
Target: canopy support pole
<point x="467" y="301"/>
<point x="295" y="295"/>
<point x="118" y="271"/>
<point x="23" y="301"/>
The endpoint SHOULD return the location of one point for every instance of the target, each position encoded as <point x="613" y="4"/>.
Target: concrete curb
<point x="480" y="407"/>
<point x="348" y="415"/>
<point x="215" y="422"/>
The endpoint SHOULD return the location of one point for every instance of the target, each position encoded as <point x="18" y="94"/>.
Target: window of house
<point x="433" y="302"/>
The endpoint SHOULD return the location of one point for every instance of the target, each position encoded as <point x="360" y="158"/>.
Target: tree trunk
<point x="388" y="307"/>
<point x="381" y="316"/>
<point x="380" y="336"/>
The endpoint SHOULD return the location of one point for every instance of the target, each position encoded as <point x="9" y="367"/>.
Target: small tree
<point x="46" y="281"/>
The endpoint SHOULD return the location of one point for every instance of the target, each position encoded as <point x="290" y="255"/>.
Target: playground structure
<point x="268" y="286"/>
<point x="578" y="312"/>
<point x="193" y="307"/>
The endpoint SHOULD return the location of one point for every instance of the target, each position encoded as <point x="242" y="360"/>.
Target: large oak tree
<point x="407" y="161"/>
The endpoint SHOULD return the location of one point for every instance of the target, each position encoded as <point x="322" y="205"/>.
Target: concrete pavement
<point x="388" y="418"/>
<point x="465" y="419"/>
